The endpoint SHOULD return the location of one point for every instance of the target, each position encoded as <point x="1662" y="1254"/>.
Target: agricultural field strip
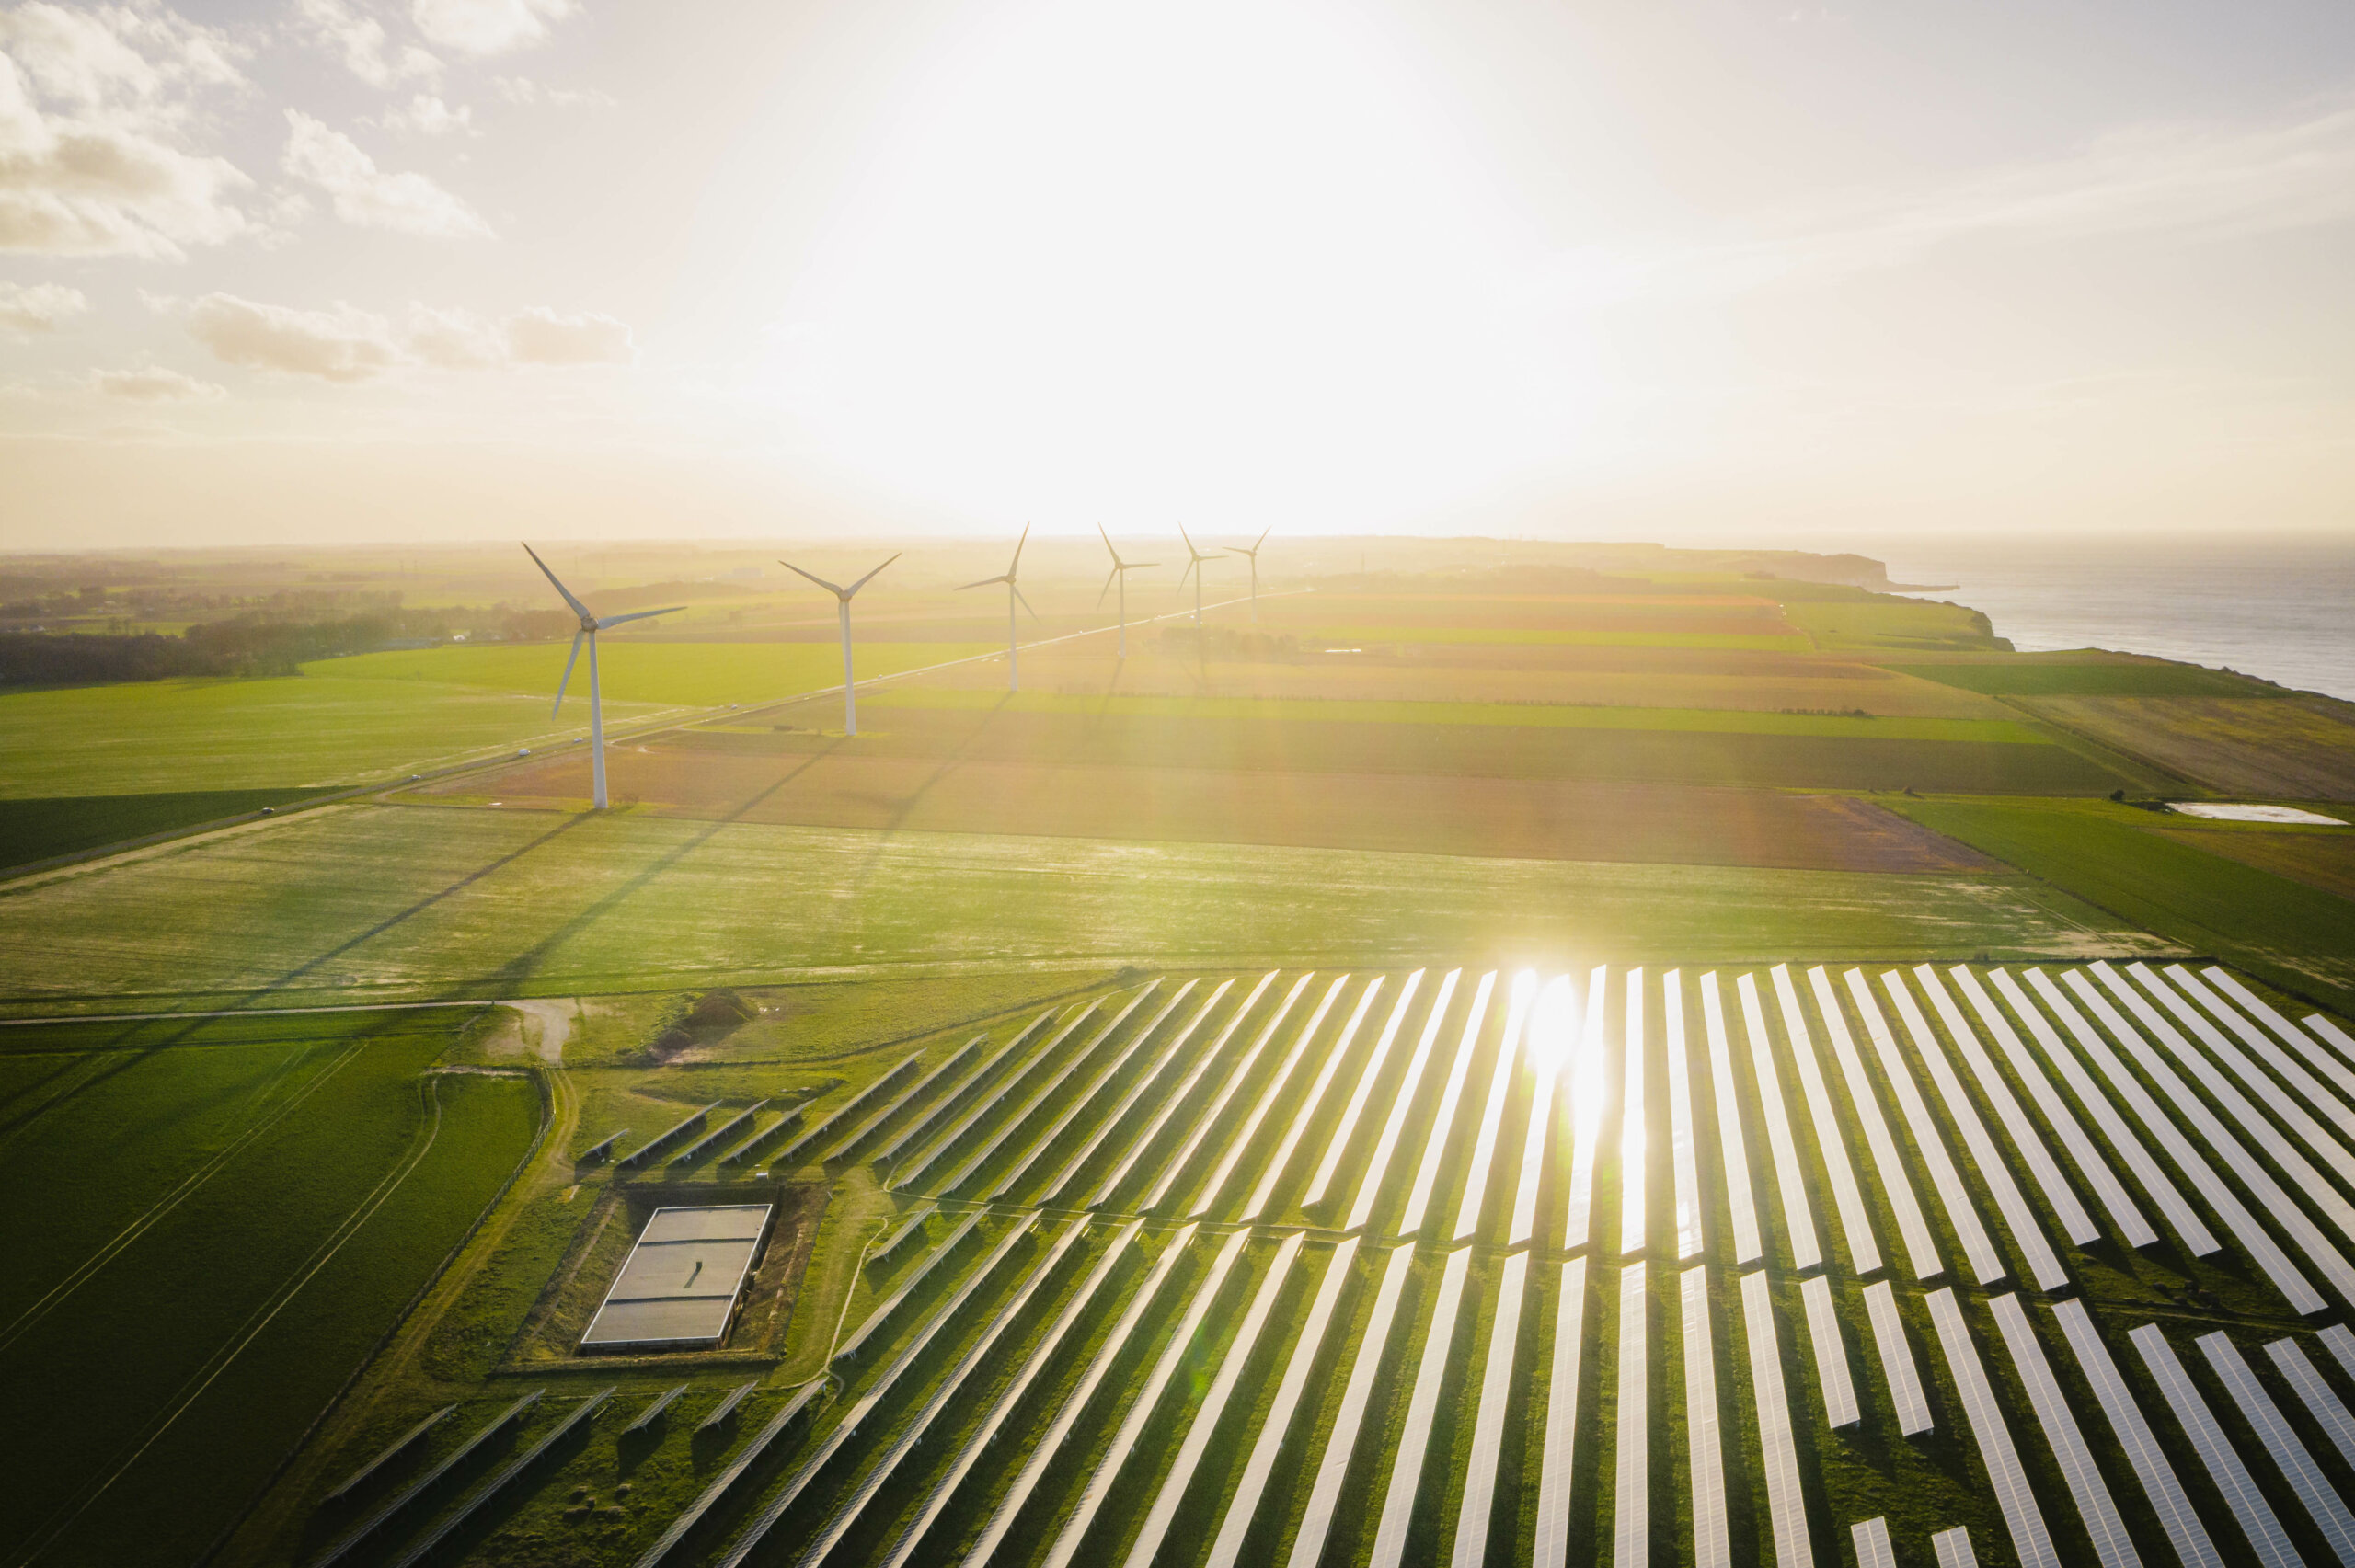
<point x="1086" y="1098"/>
<point x="1176" y="1097"/>
<point x="1683" y="1150"/>
<point x="1921" y="1247"/>
<point x="2112" y="1545"/>
<point x="2028" y="1235"/>
<point x="1635" y="1142"/>
<point x="2325" y="1407"/>
<point x="1286" y="1147"/>
<point x="1422" y="1408"/>
<point x="883" y="1309"/>
<point x="907" y="1097"/>
<point x="426" y="1483"/>
<point x="390" y="1451"/>
<point x="1239" y="1143"/>
<point x="1212" y="1112"/>
<point x="1115" y="1456"/>
<point x="2250" y="1510"/>
<point x="1075" y="1402"/>
<point x="1203" y="1426"/>
<point x="712" y="1139"/>
<point x="2123" y="1212"/>
<point x="1002" y="1407"/>
<point x="1830" y="1141"/>
<point x="1589" y="1086"/>
<point x="429" y="1542"/>
<point x="1558" y="1464"/>
<point x="1777" y="1447"/>
<point x="846" y="1512"/>
<point x="956" y="1132"/>
<point x="1109" y="1121"/>
<point x="1741" y="1209"/>
<point x="1870" y="1538"/>
<point x="949" y="1103"/>
<point x="875" y="1393"/>
<point x="1080" y="1060"/>
<point x="1703" y="1436"/>
<point x="1479" y="1494"/>
<point x="1631" y="1511"/>
<point x="1436" y="1142"/>
<point x="2317" y="1247"/>
<point x="1492" y="1114"/>
<point x="1986" y="1265"/>
<point x="2290" y="1455"/>
<point x="2198" y="1240"/>
<point x="1332" y="1467"/>
<point x="1344" y="1129"/>
<point x="2281" y="1027"/>
<point x="725" y="1482"/>
<point x="1790" y="1176"/>
<point x="2075" y="1223"/>
<point x="1226" y="1550"/>
<point x="1402" y="1104"/>
<point x="1897" y="1365"/>
<point x="1831" y="1356"/>
<point x="2030" y="1540"/>
<point x="2149" y="1461"/>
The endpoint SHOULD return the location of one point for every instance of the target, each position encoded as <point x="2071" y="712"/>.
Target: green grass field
<point x="2027" y="678"/>
<point x="632" y="670"/>
<point x="1882" y="622"/>
<point x="1540" y="636"/>
<point x="36" y="830"/>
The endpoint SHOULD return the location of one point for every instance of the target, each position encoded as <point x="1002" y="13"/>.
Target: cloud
<point x="39" y="307"/>
<point x="454" y="339"/>
<point x="359" y="40"/>
<point x="95" y="110"/>
<point x="155" y="384"/>
<point x="349" y="345"/>
<point x="427" y="116"/>
<point x="487" y="26"/>
<point x="541" y="337"/>
<point x="346" y="344"/>
<point x="524" y="91"/>
<point x="367" y="196"/>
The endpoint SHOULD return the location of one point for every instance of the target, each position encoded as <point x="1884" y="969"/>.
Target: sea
<point x="2283" y="608"/>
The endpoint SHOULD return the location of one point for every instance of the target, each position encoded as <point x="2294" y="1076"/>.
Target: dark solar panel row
<point x="646" y="1152"/>
<point x="712" y="1139"/>
<point x="726" y="1480"/>
<point x="905" y="1098"/>
<point x="810" y="1142"/>
<point x="914" y="1134"/>
<point x="426" y="1483"/>
<point x="433" y="1538"/>
<point x="932" y="1154"/>
<point x="764" y="1140"/>
<point x="653" y="1412"/>
<point x="892" y="1303"/>
<point x="601" y="1149"/>
<point x="726" y="1406"/>
<point x="1015" y="1119"/>
<point x="899" y="1237"/>
<point x="392" y="1451"/>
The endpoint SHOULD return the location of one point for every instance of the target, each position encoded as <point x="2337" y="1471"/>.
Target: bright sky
<point x="1721" y="271"/>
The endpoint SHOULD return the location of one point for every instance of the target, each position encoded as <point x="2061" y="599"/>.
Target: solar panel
<point x="1344" y="1130"/>
<point x="426" y="1483"/>
<point x="1484" y="1146"/>
<point x="1489" y="1425"/>
<point x="1631" y="1513"/>
<point x="1986" y="1265"/>
<point x="2290" y="1455"/>
<point x="1108" y="1122"/>
<point x="1588" y="1088"/>
<point x="916" y="1166"/>
<point x="916" y="1130"/>
<point x="1176" y="1097"/>
<point x="1440" y="1139"/>
<point x="2151" y="1465"/>
<point x="1414" y="1439"/>
<point x="1239" y="1143"/>
<point x="1897" y="1365"/>
<point x="726" y="1406"/>
<point x="1870" y="1538"/>
<point x="2250" y="1510"/>
<point x="1085" y="1096"/>
<point x="881" y="1314"/>
<point x="1952" y="1548"/>
<point x="584" y="1411"/>
<point x="817" y="1137"/>
<point x="2293" y="1069"/>
<point x="2341" y="1345"/>
<point x="2325" y="1406"/>
<point x="2289" y="1033"/>
<point x="1402" y="1104"/>
<point x="1831" y="1354"/>
<point x="654" y="1146"/>
<point x="1777" y="1447"/>
<point x="1920" y="1248"/>
<point x="765" y="1138"/>
<point x="1021" y="1115"/>
<point x="1830" y="1141"/>
<point x="2030" y="1542"/>
<point x="2112" y="1545"/>
<point x="1742" y="1210"/>
<point x="653" y="1412"/>
<point x="725" y="1482"/>
<point x="601" y="1148"/>
<point x="1333" y="1469"/>
<point x="911" y="1225"/>
<point x="1225" y="1095"/>
<point x="1635" y="1145"/>
<point x="1310" y="1103"/>
<point x="1704" y="1440"/>
<point x="1683" y="1152"/>
<point x="1559" y="1466"/>
<point x="391" y="1451"/>
<point x="712" y="1139"/>
<point x="2044" y="1267"/>
<point x="1555" y="1002"/>
<point x="1790" y="1178"/>
<point x="906" y="1097"/>
<point x="2329" y="1031"/>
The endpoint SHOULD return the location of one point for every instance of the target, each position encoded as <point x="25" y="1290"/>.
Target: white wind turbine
<point x="842" y="599"/>
<point x="1013" y="593"/>
<point x="1253" y="553"/>
<point x="1120" y="572"/>
<point x="1194" y="566"/>
<point x="590" y="626"/>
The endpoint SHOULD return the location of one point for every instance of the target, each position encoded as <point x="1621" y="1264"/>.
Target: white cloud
<point x="155" y="384"/>
<point x="360" y="41"/>
<point x="350" y="345"/>
<point x="524" y="91"/>
<point x="367" y="196"/>
<point x="487" y="26"/>
<point x="345" y="345"/>
<point x="426" y="115"/>
<point x="541" y="337"/>
<point x="454" y="339"/>
<point x="39" y="307"/>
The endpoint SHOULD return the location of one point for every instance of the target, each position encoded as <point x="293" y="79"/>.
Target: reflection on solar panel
<point x="2314" y="1493"/>
<point x="1778" y="1448"/>
<point x="1501" y="1077"/>
<point x="653" y="1412"/>
<point x="1289" y="1144"/>
<point x="1385" y="1149"/>
<point x="1560" y="1463"/>
<point x="916" y="1166"/>
<point x="1217" y="1107"/>
<point x="2044" y="1267"/>
<point x="1546" y="1050"/>
<point x="433" y="1539"/>
<point x="1953" y="1548"/>
<point x="1741" y="1211"/>
<point x="1590" y="1089"/>
<point x="1712" y="1537"/>
<point x="2329" y="1414"/>
<point x="1831" y="1142"/>
<point x="426" y="1483"/>
<point x="1344" y="1130"/>
<point x="881" y="1314"/>
<point x="1440" y="1139"/>
<point x="1227" y="1549"/>
<point x="1324" y="1497"/>
<point x="2250" y="1509"/>
<point x="726" y="1407"/>
<point x="1791" y="1179"/>
<point x="1085" y="1097"/>
<point x="2112" y="1545"/>
<point x="2257" y="1040"/>
<point x="1631" y="1513"/>
<point x="1871" y="1541"/>
<point x="391" y="1451"/>
<point x="681" y="1282"/>
<point x="1921" y="1249"/>
<point x="725" y="1482"/>
<point x="1414" y="1439"/>
<point x="1109" y="1121"/>
<point x="1019" y="1117"/>
<point x="1239" y="1144"/>
<point x="1176" y="1097"/>
<point x="913" y="1134"/>
<point x="2151" y="1465"/>
<point x="1683" y="1152"/>
<point x="1986" y="1266"/>
<point x="1897" y="1359"/>
<point x="1635" y="1146"/>
<point x="1204" y="1425"/>
<point x="1831" y="1354"/>
<point x="1488" y="1426"/>
<point x="2030" y="1542"/>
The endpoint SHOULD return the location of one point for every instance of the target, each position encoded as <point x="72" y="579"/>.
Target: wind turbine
<point x="590" y="626"/>
<point x="1013" y="667"/>
<point x="1254" y="554"/>
<point x="841" y="599"/>
<point x="1120" y="572"/>
<point x="1194" y="566"/>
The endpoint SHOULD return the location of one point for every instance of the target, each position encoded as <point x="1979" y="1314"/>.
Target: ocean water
<point x="2282" y="608"/>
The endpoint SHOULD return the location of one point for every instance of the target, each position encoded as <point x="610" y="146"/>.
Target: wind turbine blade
<point x="869" y="576"/>
<point x="1107" y="585"/>
<point x="1189" y="571"/>
<point x="1108" y="545"/>
<point x="1189" y="542"/>
<point x="1025" y="603"/>
<point x="1015" y="565"/>
<point x="1137" y="565"/>
<point x="578" y="608"/>
<point x="612" y="621"/>
<point x="822" y="582"/>
<point x="983" y="583"/>
<point x="1262" y="539"/>
<point x="560" y="685"/>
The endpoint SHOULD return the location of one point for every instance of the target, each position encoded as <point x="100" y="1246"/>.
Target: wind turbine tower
<point x="842" y="601"/>
<point x="1194" y="566"/>
<point x="590" y="626"/>
<point x="1013" y="596"/>
<point x="1120" y="573"/>
<point x="1254" y="554"/>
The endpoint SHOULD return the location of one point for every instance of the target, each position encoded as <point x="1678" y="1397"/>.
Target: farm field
<point x="2295" y="747"/>
<point x="1245" y="1265"/>
<point x="2325" y="859"/>
<point x="36" y="830"/>
<point x="637" y="670"/>
<point x="2108" y="677"/>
